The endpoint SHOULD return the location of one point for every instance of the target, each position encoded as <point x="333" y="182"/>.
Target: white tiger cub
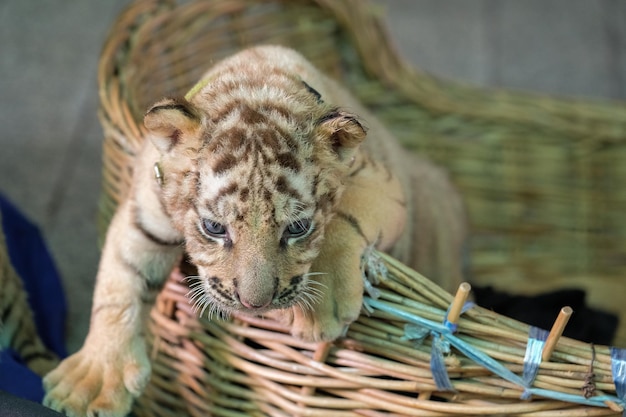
<point x="261" y="180"/>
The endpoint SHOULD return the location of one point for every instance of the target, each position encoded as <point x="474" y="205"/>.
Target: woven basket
<point x="538" y="175"/>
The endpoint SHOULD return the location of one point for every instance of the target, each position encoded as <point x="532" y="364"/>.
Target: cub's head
<point x="251" y="176"/>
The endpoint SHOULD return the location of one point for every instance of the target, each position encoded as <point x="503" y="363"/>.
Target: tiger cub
<point x="264" y="180"/>
<point x="17" y="325"/>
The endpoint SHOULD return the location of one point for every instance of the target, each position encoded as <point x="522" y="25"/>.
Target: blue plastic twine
<point x="618" y="368"/>
<point x="438" y="364"/>
<point x="532" y="359"/>
<point x="439" y="347"/>
<point x="417" y="334"/>
<point x="416" y="322"/>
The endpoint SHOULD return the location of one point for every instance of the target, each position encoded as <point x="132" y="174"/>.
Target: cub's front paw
<point x="98" y="383"/>
<point x="326" y="320"/>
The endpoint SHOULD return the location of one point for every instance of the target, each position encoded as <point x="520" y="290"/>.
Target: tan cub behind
<point x="263" y="176"/>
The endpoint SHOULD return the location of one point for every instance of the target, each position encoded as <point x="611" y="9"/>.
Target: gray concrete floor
<point x="50" y="141"/>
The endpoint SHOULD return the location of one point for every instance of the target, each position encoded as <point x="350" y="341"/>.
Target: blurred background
<point x="50" y="141"/>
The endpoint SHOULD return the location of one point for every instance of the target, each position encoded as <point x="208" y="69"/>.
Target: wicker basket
<point x="532" y="228"/>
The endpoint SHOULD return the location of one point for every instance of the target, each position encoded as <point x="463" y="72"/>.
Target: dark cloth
<point x="12" y="406"/>
<point x="586" y="324"/>
<point x="32" y="261"/>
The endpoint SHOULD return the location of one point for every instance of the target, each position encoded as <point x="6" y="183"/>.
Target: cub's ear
<point x="169" y="120"/>
<point x="343" y="131"/>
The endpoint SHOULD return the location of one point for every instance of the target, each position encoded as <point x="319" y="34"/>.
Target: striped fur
<point x="265" y="182"/>
<point x="17" y="327"/>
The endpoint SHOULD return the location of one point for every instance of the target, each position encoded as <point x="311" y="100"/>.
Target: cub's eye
<point x="298" y="228"/>
<point x="213" y="228"/>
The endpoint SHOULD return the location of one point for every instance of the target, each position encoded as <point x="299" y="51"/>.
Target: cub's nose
<point x="254" y="303"/>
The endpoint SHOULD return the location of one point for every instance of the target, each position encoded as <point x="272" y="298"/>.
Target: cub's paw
<point x="90" y="383"/>
<point x="326" y="320"/>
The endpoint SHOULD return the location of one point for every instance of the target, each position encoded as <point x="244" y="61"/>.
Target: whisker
<point x="304" y="306"/>
<point x="192" y="277"/>
<point x="193" y="300"/>
<point x="311" y="293"/>
<point x="310" y="274"/>
<point x="313" y="285"/>
<point x="201" y="301"/>
<point x="195" y="295"/>
<point x="206" y="304"/>
<point x="213" y="310"/>
<point x="195" y="287"/>
<point x="313" y="296"/>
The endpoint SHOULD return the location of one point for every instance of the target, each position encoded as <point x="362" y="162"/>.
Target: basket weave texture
<point x="559" y="218"/>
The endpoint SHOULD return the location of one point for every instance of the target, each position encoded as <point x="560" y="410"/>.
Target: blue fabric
<point x="17" y="379"/>
<point x="32" y="261"/>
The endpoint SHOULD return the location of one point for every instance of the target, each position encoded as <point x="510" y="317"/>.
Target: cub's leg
<point x="112" y="367"/>
<point x="372" y="212"/>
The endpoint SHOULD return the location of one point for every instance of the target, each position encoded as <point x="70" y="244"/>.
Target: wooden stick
<point x="459" y="300"/>
<point x="556" y="332"/>
<point x="319" y="355"/>
<point x="424" y="395"/>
